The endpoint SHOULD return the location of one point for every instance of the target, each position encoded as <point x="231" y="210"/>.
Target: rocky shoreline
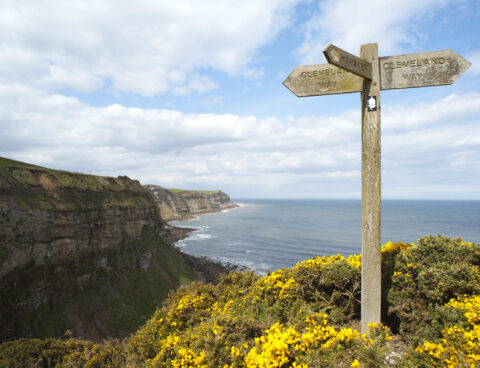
<point x="207" y="270"/>
<point x="185" y="205"/>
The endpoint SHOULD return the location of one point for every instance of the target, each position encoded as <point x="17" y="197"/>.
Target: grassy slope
<point x="6" y="162"/>
<point x="36" y="187"/>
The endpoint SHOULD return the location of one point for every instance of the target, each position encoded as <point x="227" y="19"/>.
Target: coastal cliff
<point x="86" y="253"/>
<point x="178" y="205"/>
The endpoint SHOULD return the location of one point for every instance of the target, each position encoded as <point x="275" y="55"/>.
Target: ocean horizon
<point x="268" y="234"/>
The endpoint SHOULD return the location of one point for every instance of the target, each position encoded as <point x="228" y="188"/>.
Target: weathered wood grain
<point x="322" y="79"/>
<point x="347" y="61"/>
<point x="371" y="193"/>
<point x="424" y="69"/>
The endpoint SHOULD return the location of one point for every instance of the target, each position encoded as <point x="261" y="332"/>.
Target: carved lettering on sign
<point x="353" y="62"/>
<point x="413" y="63"/>
<point x="320" y="73"/>
<point x="424" y="69"/>
<point x="413" y="76"/>
<point x="434" y="68"/>
<point x="322" y="79"/>
<point x="327" y="84"/>
<point x="347" y="61"/>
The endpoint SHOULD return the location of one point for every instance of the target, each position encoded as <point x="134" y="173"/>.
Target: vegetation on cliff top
<point x="6" y="162"/>
<point x="305" y="316"/>
<point x="195" y="191"/>
<point x="37" y="187"/>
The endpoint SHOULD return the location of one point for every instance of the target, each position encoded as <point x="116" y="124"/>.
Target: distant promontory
<point x="177" y="205"/>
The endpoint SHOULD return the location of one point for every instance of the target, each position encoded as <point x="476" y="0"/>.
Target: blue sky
<point x="188" y="94"/>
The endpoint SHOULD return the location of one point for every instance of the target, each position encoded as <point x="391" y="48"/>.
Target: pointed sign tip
<point x="467" y="64"/>
<point x="425" y="69"/>
<point x="327" y="47"/>
<point x="341" y="58"/>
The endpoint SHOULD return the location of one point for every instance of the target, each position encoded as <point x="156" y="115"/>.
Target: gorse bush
<point x="280" y="320"/>
<point x="428" y="276"/>
<point x="459" y="345"/>
<point x="68" y="352"/>
<point x="331" y="284"/>
<point x="302" y="317"/>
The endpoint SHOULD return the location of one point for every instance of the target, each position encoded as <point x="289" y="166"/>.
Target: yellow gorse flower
<point x="207" y="327"/>
<point x="390" y="247"/>
<point x="459" y="346"/>
<point x="355" y="364"/>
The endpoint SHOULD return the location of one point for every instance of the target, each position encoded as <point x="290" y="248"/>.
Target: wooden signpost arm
<point x="371" y="191"/>
<point x="347" y="61"/>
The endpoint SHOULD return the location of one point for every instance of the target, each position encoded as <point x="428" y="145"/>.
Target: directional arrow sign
<point x="322" y="79"/>
<point x="421" y="70"/>
<point x="347" y="61"/>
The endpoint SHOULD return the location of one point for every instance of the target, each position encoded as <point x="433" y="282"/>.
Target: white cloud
<point x="53" y="47"/>
<point x="245" y="156"/>
<point x="74" y="79"/>
<point x="454" y="108"/>
<point x="146" y="47"/>
<point x="350" y="23"/>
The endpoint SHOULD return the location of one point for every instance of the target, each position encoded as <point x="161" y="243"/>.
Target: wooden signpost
<point x="343" y="59"/>
<point x="369" y="74"/>
<point x="322" y="79"/>
<point x="421" y="70"/>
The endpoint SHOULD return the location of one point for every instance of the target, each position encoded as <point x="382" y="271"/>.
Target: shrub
<point x="61" y="353"/>
<point x="426" y="277"/>
<point x="332" y="285"/>
<point x="296" y="318"/>
<point x="459" y="344"/>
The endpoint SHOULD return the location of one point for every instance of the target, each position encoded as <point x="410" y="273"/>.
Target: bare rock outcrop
<point x="185" y="204"/>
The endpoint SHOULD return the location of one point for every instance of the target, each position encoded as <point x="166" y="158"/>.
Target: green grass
<point x="73" y="190"/>
<point x="70" y="179"/>
<point x="6" y="162"/>
<point x="195" y="191"/>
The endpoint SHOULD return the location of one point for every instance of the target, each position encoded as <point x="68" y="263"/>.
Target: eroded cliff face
<point x="185" y="204"/>
<point x="81" y="252"/>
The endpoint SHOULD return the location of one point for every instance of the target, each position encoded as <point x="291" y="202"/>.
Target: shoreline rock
<point x="207" y="270"/>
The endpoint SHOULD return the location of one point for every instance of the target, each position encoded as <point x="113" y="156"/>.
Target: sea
<point x="266" y="235"/>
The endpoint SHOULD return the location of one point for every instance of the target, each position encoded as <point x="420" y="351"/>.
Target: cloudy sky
<point x="188" y="94"/>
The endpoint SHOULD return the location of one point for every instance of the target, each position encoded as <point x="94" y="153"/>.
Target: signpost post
<point x="369" y="74"/>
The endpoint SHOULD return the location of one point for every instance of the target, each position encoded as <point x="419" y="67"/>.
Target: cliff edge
<point x="177" y="205"/>
<point x="81" y="252"/>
